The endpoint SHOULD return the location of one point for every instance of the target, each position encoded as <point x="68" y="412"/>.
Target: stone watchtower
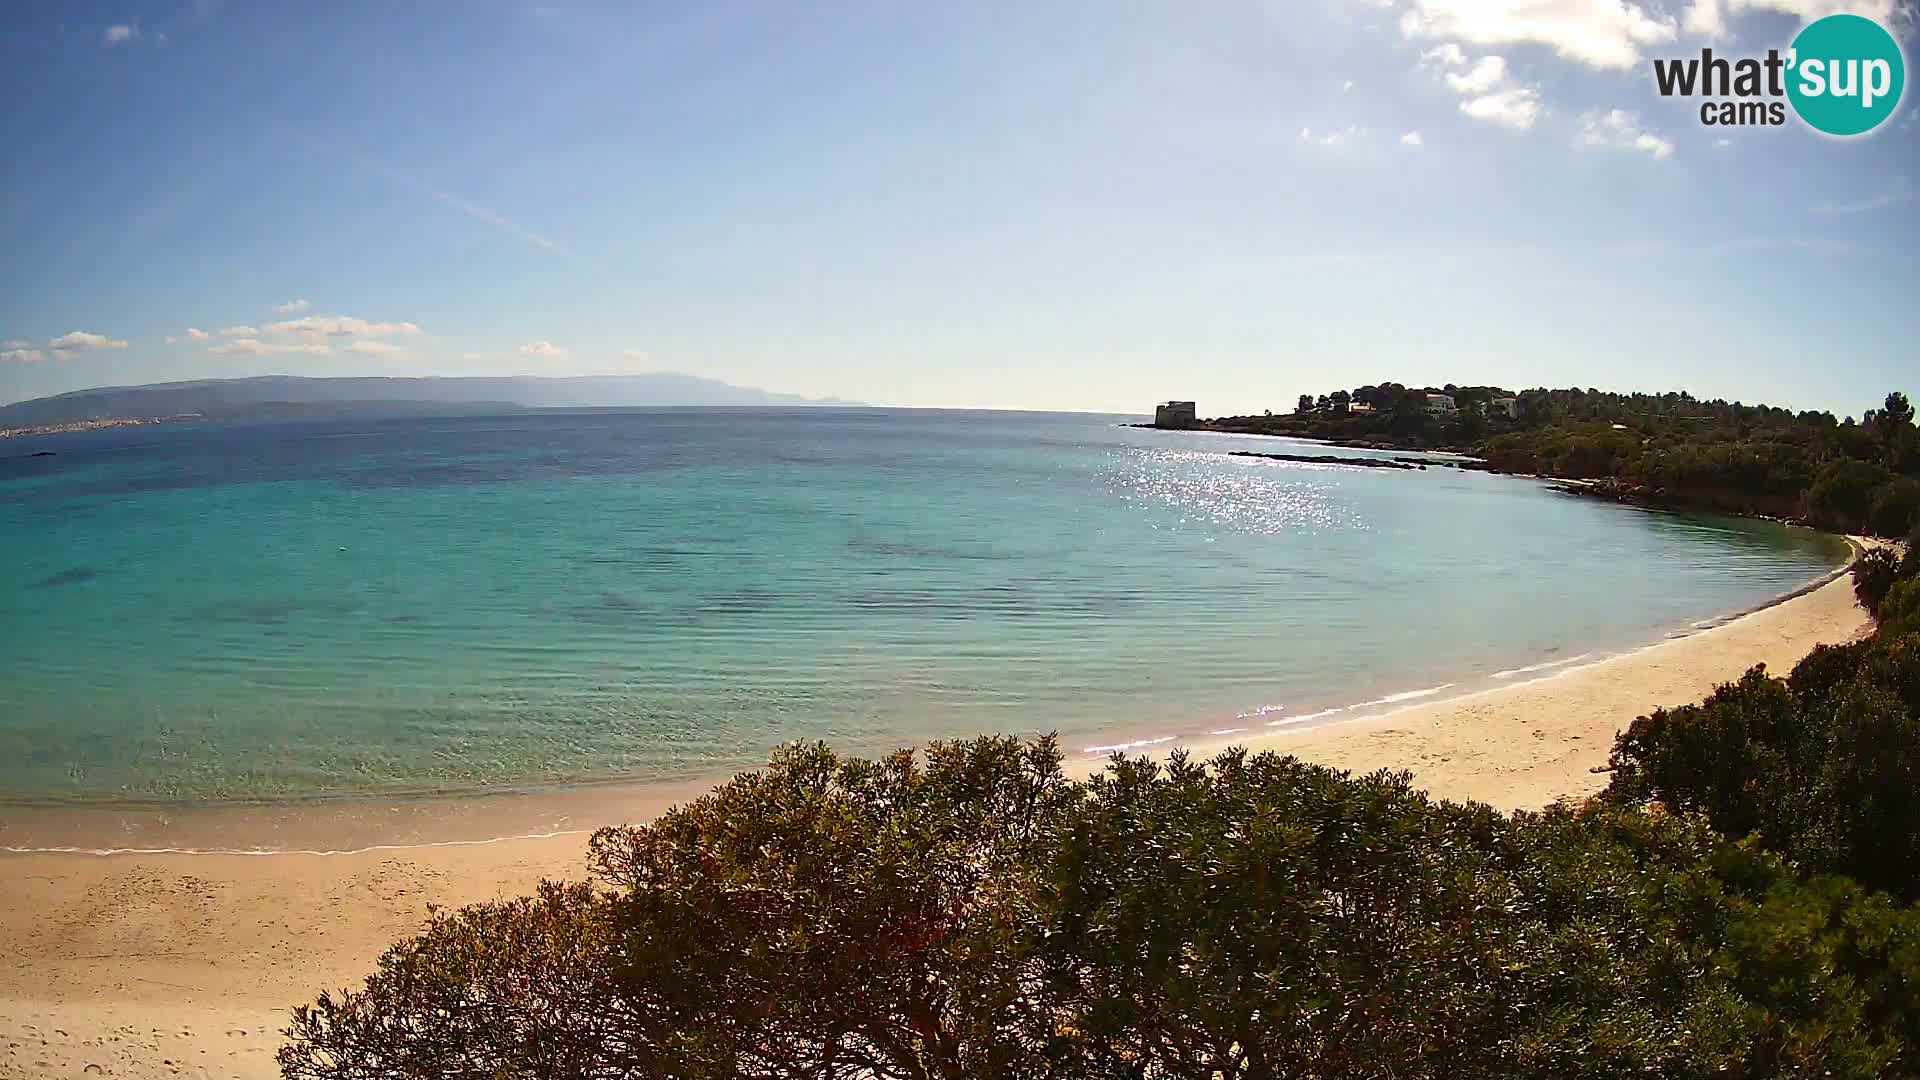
<point x="1174" y="414"/>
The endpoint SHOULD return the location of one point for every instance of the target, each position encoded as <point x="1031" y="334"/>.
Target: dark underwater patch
<point x="73" y="575"/>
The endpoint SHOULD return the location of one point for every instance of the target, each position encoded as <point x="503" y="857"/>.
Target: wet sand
<point x="156" y="965"/>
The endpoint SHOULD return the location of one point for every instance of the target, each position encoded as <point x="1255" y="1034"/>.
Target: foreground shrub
<point x="1822" y="767"/>
<point x="1900" y="611"/>
<point x="975" y="914"/>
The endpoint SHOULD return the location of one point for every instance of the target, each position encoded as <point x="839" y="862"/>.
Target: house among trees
<point x="1174" y="414"/>
<point x="1440" y="404"/>
<point x="1508" y="407"/>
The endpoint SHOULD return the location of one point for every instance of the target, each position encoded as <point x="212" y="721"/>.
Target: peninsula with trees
<point x="1672" y="450"/>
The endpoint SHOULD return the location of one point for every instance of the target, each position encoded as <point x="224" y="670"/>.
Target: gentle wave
<point x="1292" y="720"/>
<point x="1409" y="695"/>
<point x="1134" y="745"/>
<point x="1530" y="668"/>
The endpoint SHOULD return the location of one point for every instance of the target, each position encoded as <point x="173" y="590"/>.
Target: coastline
<point x="171" y="964"/>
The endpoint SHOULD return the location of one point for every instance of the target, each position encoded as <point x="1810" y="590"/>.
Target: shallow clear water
<point x="371" y="607"/>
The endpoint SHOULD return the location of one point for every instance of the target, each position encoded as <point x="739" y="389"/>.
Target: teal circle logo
<point x="1845" y="75"/>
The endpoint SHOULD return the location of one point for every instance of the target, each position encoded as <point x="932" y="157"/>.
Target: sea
<point x="205" y="615"/>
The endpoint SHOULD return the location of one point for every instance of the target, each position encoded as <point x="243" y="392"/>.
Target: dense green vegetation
<point x="1738" y="903"/>
<point x="1669" y="449"/>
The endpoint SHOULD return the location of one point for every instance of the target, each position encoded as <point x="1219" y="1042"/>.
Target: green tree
<point x="1842" y="495"/>
<point x="1898" y="413"/>
<point x="1874" y="573"/>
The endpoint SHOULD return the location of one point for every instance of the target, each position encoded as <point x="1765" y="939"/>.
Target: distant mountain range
<point x="284" y="395"/>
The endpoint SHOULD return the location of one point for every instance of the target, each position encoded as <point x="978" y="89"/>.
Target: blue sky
<point x="1077" y="205"/>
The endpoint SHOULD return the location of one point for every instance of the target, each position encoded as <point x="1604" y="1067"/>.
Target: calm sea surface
<point x="388" y="606"/>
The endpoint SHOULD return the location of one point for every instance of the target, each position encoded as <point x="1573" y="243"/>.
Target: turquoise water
<point x="377" y="607"/>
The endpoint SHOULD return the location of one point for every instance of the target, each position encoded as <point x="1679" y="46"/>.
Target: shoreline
<point x="356" y="823"/>
<point x="169" y="964"/>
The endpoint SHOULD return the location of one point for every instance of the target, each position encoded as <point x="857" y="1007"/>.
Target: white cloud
<point x="16" y="343"/>
<point x="256" y="347"/>
<point x="340" y="326"/>
<point x="1618" y="129"/>
<point x="1484" y="77"/>
<point x="1517" y="107"/>
<point x="472" y="356"/>
<point x="1346" y="86"/>
<point x="21" y="356"/>
<point x="1722" y="143"/>
<point x="1607" y="34"/>
<point x="1708" y="18"/>
<point x="1492" y="94"/>
<point x="192" y="334"/>
<point x="545" y="350"/>
<point x="1412" y="138"/>
<point x="291" y="306"/>
<point x="634" y="354"/>
<point x="379" y="348"/>
<point x="78" y="340"/>
<point x="240" y="331"/>
<point x="120" y="34"/>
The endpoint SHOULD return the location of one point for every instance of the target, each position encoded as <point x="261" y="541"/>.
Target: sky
<point x="1039" y="205"/>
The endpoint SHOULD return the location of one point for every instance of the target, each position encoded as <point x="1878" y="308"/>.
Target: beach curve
<point x="171" y="964"/>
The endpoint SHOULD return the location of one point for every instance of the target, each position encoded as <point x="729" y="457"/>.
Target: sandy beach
<point x="151" y="965"/>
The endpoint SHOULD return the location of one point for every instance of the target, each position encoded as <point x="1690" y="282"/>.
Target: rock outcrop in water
<point x="1335" y="459"/>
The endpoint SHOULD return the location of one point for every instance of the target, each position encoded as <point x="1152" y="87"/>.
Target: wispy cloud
<point x="383" y="349"/>
<point x="256" y="347"/>
<point x="1412" y="138"/>
<point x="315" y="326"/>
<point x="458" y="202"/>
<point x="291" y="306"/>
<point x="21" y="356"/>
<point x="120" y="34"/>
<point x="545" y="350"/>
<point x="1894" y="196"/>
<point x="1819" y="244"/>
<point x="240" y="331"/>
<point x="1337" y="139"/>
